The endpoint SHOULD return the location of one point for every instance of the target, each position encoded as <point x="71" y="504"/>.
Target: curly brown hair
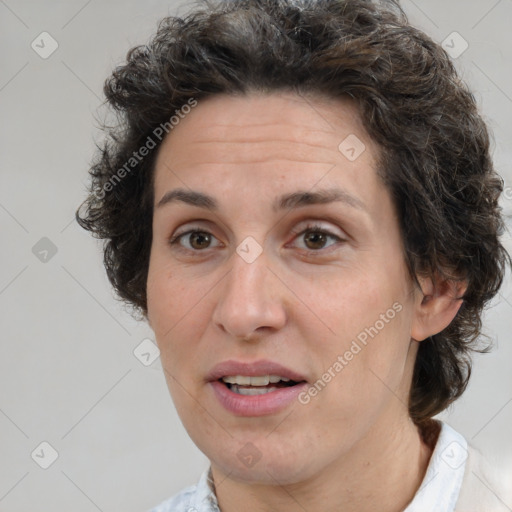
<point x="435" y="157"/>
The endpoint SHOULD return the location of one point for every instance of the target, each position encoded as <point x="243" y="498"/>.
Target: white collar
<point x="441" y="486"/>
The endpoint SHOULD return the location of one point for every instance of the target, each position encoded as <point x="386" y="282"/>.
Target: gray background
<point x="68" y="375"/>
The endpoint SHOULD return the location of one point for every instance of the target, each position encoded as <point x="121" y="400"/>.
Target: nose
<point x="251" y="300"/>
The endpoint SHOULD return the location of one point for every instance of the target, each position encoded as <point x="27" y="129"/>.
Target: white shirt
<point x="458" y="479"/>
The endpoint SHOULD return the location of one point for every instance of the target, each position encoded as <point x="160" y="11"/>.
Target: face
<point x="276" y="255"/>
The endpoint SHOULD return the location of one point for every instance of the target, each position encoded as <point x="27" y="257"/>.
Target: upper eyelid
<point x="311" y="226"/>
<point x="311" y="220"/>
<point x="314" y="226"/>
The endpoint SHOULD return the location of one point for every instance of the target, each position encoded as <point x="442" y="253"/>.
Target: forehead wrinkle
<point x="284" y="132"/>
<point x="218" y="151"/>
<point x="192" y="153"/>
<point x="210" y="166"/>
<point x="273" y="141"/>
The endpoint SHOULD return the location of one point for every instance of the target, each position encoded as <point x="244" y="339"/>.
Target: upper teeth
<point x="244" y="380"/>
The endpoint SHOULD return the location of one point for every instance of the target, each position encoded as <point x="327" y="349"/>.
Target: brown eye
<point x="197" y="240"/>
<point x="315" y="240"/>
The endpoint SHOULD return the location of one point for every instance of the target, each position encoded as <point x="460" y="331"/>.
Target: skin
<point x="353" y="446"/>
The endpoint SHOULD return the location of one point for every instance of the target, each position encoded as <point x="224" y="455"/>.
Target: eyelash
<point x="310" y="228"/>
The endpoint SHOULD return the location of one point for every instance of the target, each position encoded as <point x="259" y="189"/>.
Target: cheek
<point x="168" y="309"/>
<point x="167" y="294"/>
<point x="348" y="304"/>
<point x="366" y="321"/>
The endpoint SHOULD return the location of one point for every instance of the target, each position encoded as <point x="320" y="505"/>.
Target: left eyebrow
<point x="290" y="201"/>
<point x="304" y="198"/>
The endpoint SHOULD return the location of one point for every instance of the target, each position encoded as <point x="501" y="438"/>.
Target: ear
<point x="436" y="306"/>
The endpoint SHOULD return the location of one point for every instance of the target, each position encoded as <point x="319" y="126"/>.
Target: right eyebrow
<point x="189" y="197"/>
<point x="290" y="201"/>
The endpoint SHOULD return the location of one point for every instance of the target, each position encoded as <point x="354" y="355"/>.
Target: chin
<point x="269" y="472"/>
<point x="263" y="461"/>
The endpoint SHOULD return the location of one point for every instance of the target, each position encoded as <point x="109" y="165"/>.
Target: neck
<point x="383" y="471"/>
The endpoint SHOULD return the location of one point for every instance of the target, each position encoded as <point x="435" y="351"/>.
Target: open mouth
<point x="259" y="385"/>
<point x="258" y="388"/>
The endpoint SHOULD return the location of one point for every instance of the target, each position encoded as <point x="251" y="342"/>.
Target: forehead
<point x="318" y="121"/>
<point x="268" y="141"/>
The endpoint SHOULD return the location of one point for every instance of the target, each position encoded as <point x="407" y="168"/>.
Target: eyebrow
<point x="290" y="201"/>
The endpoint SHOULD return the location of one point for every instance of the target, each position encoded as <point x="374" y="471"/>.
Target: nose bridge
<point x="249" y="299"/>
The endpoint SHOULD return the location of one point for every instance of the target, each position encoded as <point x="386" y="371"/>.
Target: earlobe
<point x="436" y="306"/>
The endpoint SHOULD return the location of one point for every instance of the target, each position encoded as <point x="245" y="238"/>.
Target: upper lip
<point x="253" y="369"/>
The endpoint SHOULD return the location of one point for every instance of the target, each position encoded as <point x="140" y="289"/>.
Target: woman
<point x="300" y="200"/>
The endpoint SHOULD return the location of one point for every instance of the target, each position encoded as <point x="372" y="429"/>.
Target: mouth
<point x="257" y="385"/>
<point x="255" y="389"/>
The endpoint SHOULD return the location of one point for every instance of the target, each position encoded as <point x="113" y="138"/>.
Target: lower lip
<point x="256" y="405"/>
